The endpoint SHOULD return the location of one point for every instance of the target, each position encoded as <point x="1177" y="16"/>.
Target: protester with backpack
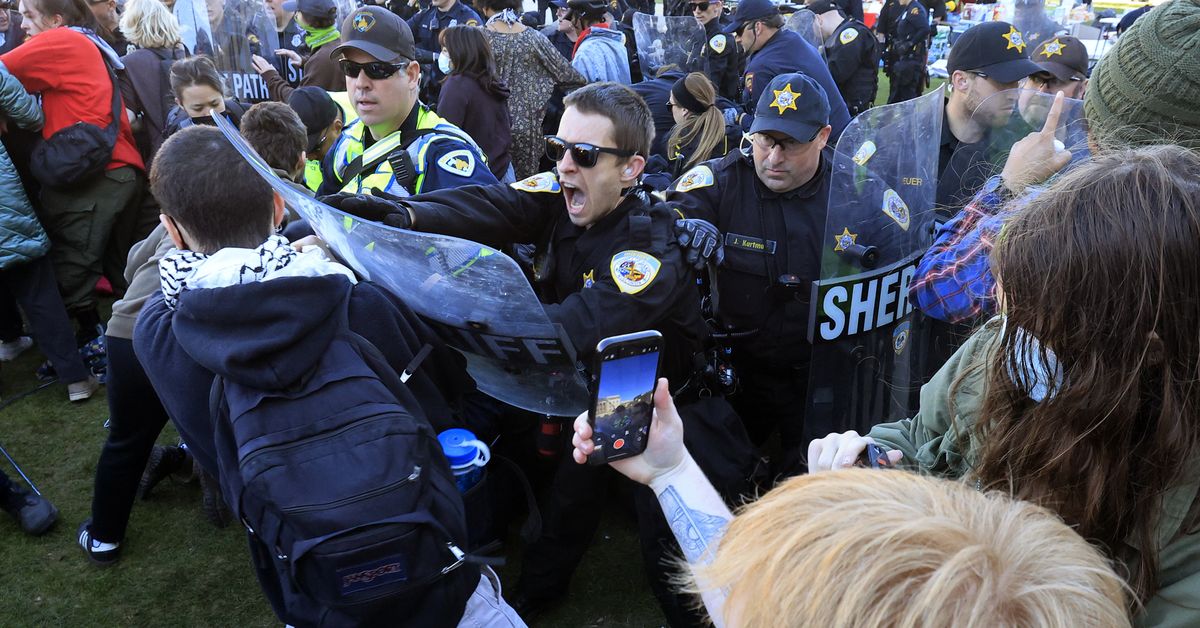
<point x="146" y="81"/>
<point x="323" y="450"/>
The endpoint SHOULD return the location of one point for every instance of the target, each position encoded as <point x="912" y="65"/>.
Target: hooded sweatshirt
<point x="600" y="55"/>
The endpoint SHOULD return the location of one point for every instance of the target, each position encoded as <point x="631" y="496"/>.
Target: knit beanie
<point x="1147" y="89"/>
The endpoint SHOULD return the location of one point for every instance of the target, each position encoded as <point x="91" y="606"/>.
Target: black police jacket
<point x="716" y="55"/>
<point x="911" y="33"/>
<point x="767" y="237"/>
<point x="853" y="57"/>
<point x="427" y="24"/>
<point x="625" y="273"/>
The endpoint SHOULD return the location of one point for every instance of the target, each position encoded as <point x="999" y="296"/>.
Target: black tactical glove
<point x="378" y="206"/>
<point x="701" y="241"/>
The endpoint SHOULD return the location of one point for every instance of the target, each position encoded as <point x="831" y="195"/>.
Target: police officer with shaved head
<point x="768" y="204"/>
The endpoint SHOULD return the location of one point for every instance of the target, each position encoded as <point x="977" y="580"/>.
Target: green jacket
<point x="22" y="238"/>
<point x="929" y="441"/>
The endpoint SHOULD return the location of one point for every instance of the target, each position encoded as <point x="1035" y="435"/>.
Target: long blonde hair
<point x="864" y="547"/>
<point x="708" y="126"/>
<point x="150" y="24"/>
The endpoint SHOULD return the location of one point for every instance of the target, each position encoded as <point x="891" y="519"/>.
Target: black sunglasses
<point x="698" y="6"/>
<point x="376" y="70"/>
<point x="585" y="155"/>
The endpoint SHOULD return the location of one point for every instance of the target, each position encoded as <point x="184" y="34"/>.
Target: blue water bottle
<point x="467" y="456"/>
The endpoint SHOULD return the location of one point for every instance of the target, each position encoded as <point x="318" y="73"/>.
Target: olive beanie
<point x="1147" y="89"/>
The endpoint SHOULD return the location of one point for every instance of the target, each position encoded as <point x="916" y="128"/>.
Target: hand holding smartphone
<point x="623" y="381"/>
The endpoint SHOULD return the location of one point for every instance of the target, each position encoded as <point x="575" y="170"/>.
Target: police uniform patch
<point x="363" y="22"/>
<point x="900" y="337"/>
<point x="848" y="36"/>
<point x="1014" y="40"/>
<point x="541" y="182"/>
<point x="633" y="270"/>
<point x="785" y="99"/>
<point x="717" y="43"/>
<point x="460" y="162"/>
<point x="1053" y="48"/>
<point x="896" y="209"/>
<point x="694" y="179"/>
<point x="864" y="153"/>
<point x="589" y="278"/>
<point x="844" y="240"/>
<point x="914" y="11"/>
<point x="472" y="22"/>
<point x="749" y="82"/>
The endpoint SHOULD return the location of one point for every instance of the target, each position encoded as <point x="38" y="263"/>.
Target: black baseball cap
<point x="996" y="49"/>
<point x="793" y="104"/>
<point x="748" y="11"/>
<point x="315" y="8"/>
<point x="316" y="110"/>
<point x="379" y="33"/>
<point x="1065" y="57"/>
<point x="821" y="7"/>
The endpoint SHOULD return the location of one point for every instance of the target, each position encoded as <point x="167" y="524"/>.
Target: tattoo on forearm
<point x="695" y="530"/>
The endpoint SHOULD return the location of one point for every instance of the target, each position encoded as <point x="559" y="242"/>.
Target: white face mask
<point x="444" y="62"/>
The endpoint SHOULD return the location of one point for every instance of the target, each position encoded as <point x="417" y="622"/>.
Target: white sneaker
<point x="13" y="348"/>
<point x="82" y="390"/>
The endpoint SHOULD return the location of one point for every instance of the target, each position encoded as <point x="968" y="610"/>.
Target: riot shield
<point x="475" y="298"/>
<point x="194" y="28"/>
<point x="667" y="40"/>
<point x="881" y="195"/>
<point x="241" y="28"/>
<point x="804" y="23"/>
<point x="1029" y="16"/>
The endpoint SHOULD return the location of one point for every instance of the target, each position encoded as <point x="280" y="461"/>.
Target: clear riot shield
<point x="1029" y="16"/>
<point x="667" y="40"/>
<point x="881" y="196"/>
<point x="476" y="298"/>
<point x="804" y="22"/>
<point x="240" y="29"/>
<point x="1008" y="117"/>
<point x="194" y="28"/>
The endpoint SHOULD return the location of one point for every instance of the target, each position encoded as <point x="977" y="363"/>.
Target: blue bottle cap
<point x="457" y="448"/>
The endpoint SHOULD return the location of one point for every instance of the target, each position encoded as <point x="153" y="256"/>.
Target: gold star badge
<point x="1053" y="48"/>
<point x="844" y="240"/>
<point x="1013" y="37"/>
<point x="785" y="99"/>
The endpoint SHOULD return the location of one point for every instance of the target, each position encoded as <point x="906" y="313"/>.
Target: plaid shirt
<point x="954" y="279"/>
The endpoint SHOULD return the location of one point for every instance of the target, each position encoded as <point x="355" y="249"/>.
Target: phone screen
<point x="624" y="402"/>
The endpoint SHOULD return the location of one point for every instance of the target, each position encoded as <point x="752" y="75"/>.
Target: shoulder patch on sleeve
<point x="915" y="11"/>
<point x="541" y="182"/>
<point x="472" y="22"/>
<point x="632" y="270"/>
<point x="717" y="43"/>
<point x="749" y="82"/>
<point x="848" y="36"/>
<point x="458" y="162"/>
<point x="699" y="177"/>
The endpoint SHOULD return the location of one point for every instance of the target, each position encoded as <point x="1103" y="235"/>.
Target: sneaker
<point x="95" y="357"/>
<point x="102" y="554"/>
<point x="46" y="372"/>
<point x="13" y="348"/>
<point x="35" y="513"/>
<point x="163" y="462"/>
<point x="82" y="390"/>
<point x="213" y="504"/>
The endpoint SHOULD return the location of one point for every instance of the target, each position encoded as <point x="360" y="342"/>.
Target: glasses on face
<point x="698" y="6"/>
<point x="786" y="145"/>
<point x="585" y="155"/>
<point x="376" y="70"/>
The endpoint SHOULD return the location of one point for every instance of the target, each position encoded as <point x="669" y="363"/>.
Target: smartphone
<point x="874" y="457"/>
<point x="623" y="381"/>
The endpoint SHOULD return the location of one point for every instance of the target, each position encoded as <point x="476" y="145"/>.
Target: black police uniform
<point x="853" y="57"/>
<point x="717" y="57"/>
<point x="853" y="8"/>
<point x="772" y="254"/>
<point x="908" y="49"/>
<point x="426" y="26"/>
<point x="784" y="53"/>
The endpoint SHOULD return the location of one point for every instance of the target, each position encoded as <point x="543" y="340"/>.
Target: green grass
<point x="178" y="570"/>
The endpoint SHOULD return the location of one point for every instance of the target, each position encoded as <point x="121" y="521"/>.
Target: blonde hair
<point x="149" y="24"/>
<point x="708" y="126"/>
<point x="865" y="547"/>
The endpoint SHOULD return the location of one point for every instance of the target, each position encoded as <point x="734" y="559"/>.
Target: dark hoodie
<point x="268" y="335"/>
<point x="482" y="113"/>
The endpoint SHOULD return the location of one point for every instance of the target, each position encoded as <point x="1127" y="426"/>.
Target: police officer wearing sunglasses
<point x="716" y="55"/>
<point x="397" y="147"/>
<point x="769" y="203"/>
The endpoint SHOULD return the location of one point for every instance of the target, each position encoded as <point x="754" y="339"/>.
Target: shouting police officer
<point x="852" y="54"/>
<point x="716" y="55"/>
<point x="906" y="51"/>
<point x="770" y="206"/>
<point x="397" y="146"/>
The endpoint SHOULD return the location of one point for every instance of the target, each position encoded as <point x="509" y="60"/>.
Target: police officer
<point x="426" y="26"/>
<point x="907" y="52"/>
<point x="769" y="204"/>
<point x="771" y="52"/>
<point x="852" y="54"/>
<point x="716" y="55"/>
<point x="397" y="146"/>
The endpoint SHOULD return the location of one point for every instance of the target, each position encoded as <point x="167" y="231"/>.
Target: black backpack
<point x="344" y="490"/>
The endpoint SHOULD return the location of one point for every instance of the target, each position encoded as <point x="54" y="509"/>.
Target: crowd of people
<point x="1041" y="474"/>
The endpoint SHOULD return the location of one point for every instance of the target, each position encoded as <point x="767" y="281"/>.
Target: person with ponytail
<point x="699" y="134"/>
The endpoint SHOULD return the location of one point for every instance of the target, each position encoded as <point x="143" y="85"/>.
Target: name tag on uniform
<point x="758" y="245"/>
